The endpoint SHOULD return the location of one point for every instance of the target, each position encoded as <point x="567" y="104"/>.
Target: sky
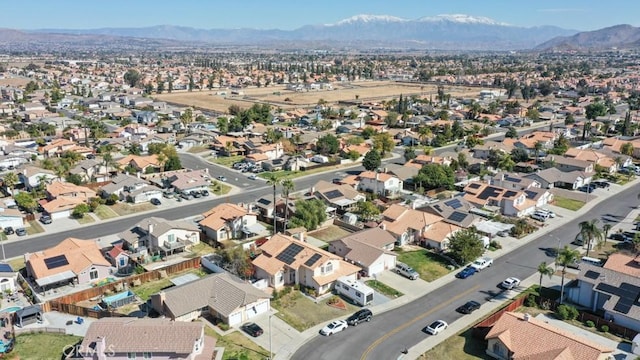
<point x="291" y="14"/>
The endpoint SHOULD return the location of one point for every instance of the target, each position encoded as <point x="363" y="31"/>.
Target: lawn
<point x="463" y="346"/>
<point x="237" y="346"/>
<point x="330" y="233"/>
<point x="429" y="265"/>
<point x="301" y="313"/>
<point x="227" y="161"/>
<point x="201" y="249"/>
<point x="219" y="188"/>
<point x="17" y="263"/>
<point x="568" y="204"/>
<point x="34" y="227"/>
<point x="383" y="288"/>
<point x="126" y="209"/>
<point x="86" y="219"/>
<point x="147" y="289"/>
<point x="197" y="149"/>
<point x="42" y="345"/>
<point x="104" y="212"/>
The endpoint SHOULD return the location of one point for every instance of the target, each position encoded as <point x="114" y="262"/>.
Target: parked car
<point x="221" y="178"/>
<point x="466" y="272"/>
<point x="601" y="184"/>
<point x="621" y="237"/>
<point x="334" y="327"/>
<point x="196" y="194"/>
<point x="587" y="189"/>
<point x="46" y="219"/>
<point x="468" y="307"/>
<point x="252" y="329"/>
<point x="546" y="212"/>
<point x="482" y="263"/>
<point x="510" y="283"/>
<point x="168" y="194"/>
<point x="253" y="177"/>
<point x="436" y="327"/>
<point x="8" y="230"/>
<point x="155" y="201"/>
<point x="406" y="271"/>
<point x="186" y="196"/>
<point x="359" y="316"/>
<point x="540" y="217"/>
<point x="204" y="192"/>
<point x="21" y="232"/>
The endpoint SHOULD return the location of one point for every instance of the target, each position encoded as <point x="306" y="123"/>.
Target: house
<point x="529" y="141"/>
<point x="61" y="207"/>
<point x="613" y="289"/>
<point x="59" y="189"/>
<point x="383" y="184"/>
<point x="229" y="221"/>
<point x="552" y="177"/>
<point x="512" y="338"/>
<point x="11" y="218"/>
<point x="509" y="202"/>
<point x="131" y="338"/>
<point x="140" y="163"/>
<point x="482" y="151"/>
<point x="287" y="261"/>
<point x="71" y="261"/>
<point x="158" y="235"/>
<point x="223" y="296"/>
<point x="568" y="164"/>
<point x="187" y="181"/>
<point x="59" y="146"/>
<point x="371" y="249"/>
<point x="531" y="187"/>
<point x="119" y="258"/>
<point x="339" y="196"/>
<point x="407" y="225"/>
<point x="423" y="159"/>
<point x="32" y="177"/>
<point x="598" y="159"/>
<point x="91" y="170"/>
<point x="8" y="279"/>
<point x="130" y="188"/>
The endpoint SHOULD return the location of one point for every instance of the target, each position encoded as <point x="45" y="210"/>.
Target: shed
<point x="28" y="315"/>
<point x="350" y="218"/>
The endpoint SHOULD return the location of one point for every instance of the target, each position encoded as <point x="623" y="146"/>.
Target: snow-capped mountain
<point x="450" y="32"/>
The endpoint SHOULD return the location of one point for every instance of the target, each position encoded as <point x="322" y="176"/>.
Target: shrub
<point x="573" y="313"/>
<point x="530" y="301"/>
<point x="223" y="326"/>
<point x="495" y="244"/>
<point x="604" y="328"/>
<point x="275" y="295"/>
<point x="563" y="312"/>
<point x="590" y="323"/>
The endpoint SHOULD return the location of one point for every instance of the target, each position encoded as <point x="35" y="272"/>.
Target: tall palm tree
<point x="544" y="269"/>
<point x="589" y="232"/>
<point x="566" y="257"/>
<point x="606" y="228"/>
<point x="287" y="187"/>
<point x="274" y="180"/>
<point x="536" y="149"/>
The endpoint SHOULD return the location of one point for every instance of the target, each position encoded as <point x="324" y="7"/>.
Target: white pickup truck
<point x="482" y="263"/>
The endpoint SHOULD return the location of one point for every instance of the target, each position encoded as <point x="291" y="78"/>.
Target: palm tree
<point x="544" y="269"/>
<point x="274" y="180"/>
<point x="10" y="180"/>
<point x="566" y="257"/>
<point x="606" y="228"/>
<point x="589" y="232"/>
<point x="162" y="160"/>
<point x="287" y="187"/>
<point x="536" y="149"/>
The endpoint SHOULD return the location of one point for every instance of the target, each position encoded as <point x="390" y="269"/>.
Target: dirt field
<point x="14" y="81"/>
<point x="276" y="95"/>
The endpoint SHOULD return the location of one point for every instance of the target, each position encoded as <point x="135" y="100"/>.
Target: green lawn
<point x="463" y="346"/>
<point x="237" y="346"/>
<point x="227" y="160"/>
<point x="147" y="289"/>
<point x="17" y="263"/>
<point x="569" y="204"/>
<point x="383" y="288"/>
<point x="219" y="188"/>
<point x="34" y="228"/>
<point x="42" y="345"/>
<point x="104" y="212"/>
<point x="86" y="219"/>
<point x="429" y="265"/>
<point x="302" y="313"/>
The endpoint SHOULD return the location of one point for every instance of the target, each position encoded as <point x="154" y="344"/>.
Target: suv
<point x="359" y="316"/>
<point x="46" y="219"/>
<point x="406" y="271"/>
<point x="8" y="230"/>
<point x="540" y="217"/>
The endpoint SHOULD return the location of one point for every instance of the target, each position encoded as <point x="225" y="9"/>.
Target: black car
<point x="204" y="192"/>
<point x="601" y="184"/>
<point x="155" y="201"/>
<point x="8" y="230"/>
<point x="196" y="194"/>
<point x="468" y="307"/>
<point x="252" y="329"/>
<point x="359" y="316"/>
<point x="21" y="232"/>
<point x="46" y="219"/>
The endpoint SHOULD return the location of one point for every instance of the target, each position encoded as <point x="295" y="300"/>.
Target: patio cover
<point x="254" y="229"/>
<point x="492" y="227"/>
<point x="56" y="278"/>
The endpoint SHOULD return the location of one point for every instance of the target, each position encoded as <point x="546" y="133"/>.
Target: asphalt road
<point x="391" y="332"/>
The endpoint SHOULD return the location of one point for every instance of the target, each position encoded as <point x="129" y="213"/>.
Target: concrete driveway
<point x="281" y="333"/>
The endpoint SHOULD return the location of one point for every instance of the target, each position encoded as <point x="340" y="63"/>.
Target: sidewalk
<point x="508" y="244"/>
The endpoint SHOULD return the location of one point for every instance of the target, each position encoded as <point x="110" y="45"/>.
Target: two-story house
<point x="532" y="188"/>
<point x="407" y="225"/>
<point x="32" y="177"/>
<point x="140" y="163"/>
<point x="339" y="196"/>
<point x="130" y="188"/>
<point x="510" y="202"/>
<point x="161" y="236"/>
<point x="229" y="221"/>
<point x="371" y="249"/>
<point x="285" y="260"/>
<point x="568" y="164"/>
<point x="383" y="184"/>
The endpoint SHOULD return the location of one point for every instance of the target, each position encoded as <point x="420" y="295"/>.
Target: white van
<point x="540" y="217"/>
<point x="592" y="261"/>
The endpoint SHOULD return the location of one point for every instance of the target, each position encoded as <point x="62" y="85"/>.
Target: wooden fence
<point x="614" y="328"/>
<point x="491" y="319"/>
<point x="52" y="330"/>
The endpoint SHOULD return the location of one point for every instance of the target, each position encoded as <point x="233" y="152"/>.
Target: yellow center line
<point x="403" y="326"/>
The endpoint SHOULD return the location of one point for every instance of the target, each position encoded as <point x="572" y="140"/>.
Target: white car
<point x="510" y="283"/>
<point x="436" y="327"/>
<point x="334" y="327"/>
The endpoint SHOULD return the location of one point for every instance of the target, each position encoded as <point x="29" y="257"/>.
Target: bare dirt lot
<point x="276" y="95"/>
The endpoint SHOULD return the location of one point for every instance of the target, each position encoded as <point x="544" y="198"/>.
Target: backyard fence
<point x="614" y="328"/>
<point x="52" y="330"/>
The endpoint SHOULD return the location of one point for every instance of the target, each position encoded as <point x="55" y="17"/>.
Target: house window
<point x="93" y="273"/>
<point x="123" y="262"/>
<point x="328" y="268"/>
<point x="497" y="349"/>
<point x="280" y="277"/>
<point x="171" y="237"/>
<point x="131" y="356"/>
<point x="146" y="355"/>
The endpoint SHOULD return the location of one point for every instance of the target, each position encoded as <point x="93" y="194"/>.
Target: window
<point x="123" y="262"/>
<point x="171" y="237"/>
<point x="131" y="356"/>
<point x="497" y="349"/>
<point x="328" y="268"/>
<point x="93" y="273"/>
<point x="280" y="277"/>
<point x="146" y="355"/>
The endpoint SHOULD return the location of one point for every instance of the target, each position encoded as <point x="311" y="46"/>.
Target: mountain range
<point x="442" y="32"/>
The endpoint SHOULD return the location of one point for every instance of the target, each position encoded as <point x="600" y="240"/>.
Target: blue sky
<point x="290" y="14"/>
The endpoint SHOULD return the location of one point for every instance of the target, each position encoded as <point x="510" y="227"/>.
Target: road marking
<point x="403" y="326"/>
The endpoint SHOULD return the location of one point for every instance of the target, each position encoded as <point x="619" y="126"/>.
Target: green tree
<point x="80" y="210"/>
<point x="309" y="213"/>
<point x="328" y="145"/>
<point x="511" y="133"/>
<point x="372" y="160"/>
<point x="544" y="269"/>
<point x="26" y="201"/>
<point x="433" y="176"/>
<point x="367" y="210"/>
<point x="132" y="77"/>
<point x="566" y="257"/>
<point x="626" y="149"/>
<point x="519" y="154"/>
<point x="187" y="117"/>
<point x="287" y="187"/>
<point x="273" y="180"/>
<point x="238" y="261"/>
<point x="9" y="181"/>
<point x="466" y="245"/>
<point x="409" y="153"/>
<point x="506" y="162"/>
<point x="223" y="125"/>
<point x="589" y="232"/>
<point x="592" y="111"/>
<point x="383" y="143"/>
<point x="368" y="132"/>
<point x="605" y="229"/>
<point x="75" y="179"/>
<point x="533" y="114"/>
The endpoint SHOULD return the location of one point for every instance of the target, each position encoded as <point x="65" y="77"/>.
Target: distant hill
<point x="446" y="32"/>
<point x="619" y="36"/>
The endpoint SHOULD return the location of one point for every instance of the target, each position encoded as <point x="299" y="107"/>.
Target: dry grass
<point x="86" y="219"/>
<point x="463" y="346"/>
<point x="34" y="227"/>
<point x="17" y="263"/>
<point x="330" y="233"/>
<point x="103" y="212"/>
<point x="126" y="209"/>
<point x="301" y="313"/>
<point x="237" y="346"/>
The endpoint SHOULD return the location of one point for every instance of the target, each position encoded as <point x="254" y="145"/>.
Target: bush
<point x="223" y="326"/>
<point x="604" y="328"/>
<point x="495" y="244"/>
<point x="530" y="301"/>
<point x="275" y="295"/>
<point x="590" y="323"/>
<point x="573" y="313"/>
<point x="563" y="312"/>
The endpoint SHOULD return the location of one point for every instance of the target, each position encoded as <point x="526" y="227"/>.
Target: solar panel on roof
<point x="474" y="186"/>
<point x="512" y="179"/>
<point x="5" y="268"/>
<point x="592" y="274"/>
<point x="627" y="293"/>
<point x="455" y="203"/>
<point x="530" y="194"/>
<point x="264" y="201"/>
<point x="488" y="192"/>
<point x="332" y="194"/>
<point x="56" y="262"/>
<point x="312" y="260"/>
<point x="457" y="216"/>
<point x="510" y="194"/>
<point x="288" y="255"/>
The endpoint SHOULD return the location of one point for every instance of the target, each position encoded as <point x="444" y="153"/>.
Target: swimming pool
<point x="11" y="309"/>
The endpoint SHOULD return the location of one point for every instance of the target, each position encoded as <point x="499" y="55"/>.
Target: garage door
<point x="235" y="318"/>
<point x="376" y="268"/>
<point x="260" y="308"/>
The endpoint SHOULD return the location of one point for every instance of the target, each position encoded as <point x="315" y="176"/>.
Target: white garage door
<point x="260" y="308"/>
<point x="61" y="214"/>
<point x="235" y="318"/>
<point x="376" y="268"/>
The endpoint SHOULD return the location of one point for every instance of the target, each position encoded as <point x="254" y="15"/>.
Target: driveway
<point x="402" y="284"/>
<point x="281" y="333"/>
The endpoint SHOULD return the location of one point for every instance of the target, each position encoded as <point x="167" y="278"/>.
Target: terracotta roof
<point x="141" y="162"/>
<point x="62" y="203"/>
<point x="407" y="219"/>
<point x="80" y="255"/>
<point x="551" y="342"/>
<point x="440" y="231"/>
<point x="623" y="263"/>
<point x="219" y="215"/>
<point x="57" y="188"/>
<point x="374" y="175"/>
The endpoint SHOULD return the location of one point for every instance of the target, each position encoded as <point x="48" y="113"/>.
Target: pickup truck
<point x="482" y="263"/>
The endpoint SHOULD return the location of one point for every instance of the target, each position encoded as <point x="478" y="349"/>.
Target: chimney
<point x="526" y="317"/>
<point x="101" y="346"/>
<point x="383" y="226"/>
<point x="138" y="174"/>
<point x="157" y="302"/>
<point x="150" y="227"/>
<point x="413" y="205"/>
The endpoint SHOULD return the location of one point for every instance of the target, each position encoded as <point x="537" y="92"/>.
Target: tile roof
<point x="623" y="263"/>
<point x="551" y="343"/>
<point x="218" y="216"/>
<point x="57" y="188"/>
<point x="126" y="334"/>
<point x="62" y="203"/>
<point x="400" y="218"/>
<point x="80" y="255"/>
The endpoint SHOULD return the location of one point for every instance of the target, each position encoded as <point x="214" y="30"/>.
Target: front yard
<point x="227" y="161"/>
<point x="237" y="346"/>
<point x="569" y="204"/>
<point x="301" y="313"/>
<point x="103" y="212"/>
<point x="85" y="219"/>
<point x="383" y="288"/>
<point x="42" y="346"/>
<point x="430" y="266"/>
<point x="34" y="227"/>
<point x="462" y="346"/>
<point x="127" y="209"/>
